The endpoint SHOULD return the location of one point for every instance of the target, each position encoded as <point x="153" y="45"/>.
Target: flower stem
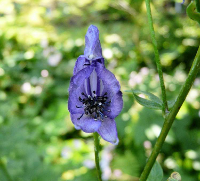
<point x="171" y="116"/>
<point x="157" y="58"/>
<point x="5" y="171"/>
<point x="96" y="150"/>
<point x="198" y="5"/>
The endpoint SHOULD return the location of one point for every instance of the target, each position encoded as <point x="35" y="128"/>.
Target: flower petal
<point x="76" y="88"/>
<point x="112" y="87"/>
<point x="108" y="78"/>
<point x="116" y="105"/>
<point x="79" y="65"/>
<point x="86" y="123"/>
<point x="92" y="44"/>
<point x="108" y="131"/>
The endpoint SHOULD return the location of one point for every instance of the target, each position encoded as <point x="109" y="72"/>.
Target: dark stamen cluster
<point x="95" y="106"/>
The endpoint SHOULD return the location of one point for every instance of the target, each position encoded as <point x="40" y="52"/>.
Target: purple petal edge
<point x="108" y="131"/>
<point x="79" y="65"/>
<point x="87" y="124"/>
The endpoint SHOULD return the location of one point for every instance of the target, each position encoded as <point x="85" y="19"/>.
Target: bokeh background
<point x="40" y="41"/>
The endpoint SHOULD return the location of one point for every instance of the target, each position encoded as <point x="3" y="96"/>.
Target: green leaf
<point x="156" y="173"/>
<point x="150" y="95"/>
<point x="153" y="103"/>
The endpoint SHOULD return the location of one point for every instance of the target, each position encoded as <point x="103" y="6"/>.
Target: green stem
<point x="96" y="150"/>
<point x="198" y="5"/>
<point x="157" y="58"/>
<point x="171" y="116"/>
<point x="5" y="171"/>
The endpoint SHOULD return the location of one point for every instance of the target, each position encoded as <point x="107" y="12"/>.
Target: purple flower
<point x="92" y="50"/>
<point x="95" y="98"/>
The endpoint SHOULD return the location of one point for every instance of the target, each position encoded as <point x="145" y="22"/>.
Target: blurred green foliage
<point x="39" y="43"/>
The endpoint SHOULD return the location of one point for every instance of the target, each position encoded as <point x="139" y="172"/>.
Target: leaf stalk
<point x="157" y="57"/>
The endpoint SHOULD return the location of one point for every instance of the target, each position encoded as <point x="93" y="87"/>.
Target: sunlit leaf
<point x="153" y="102"/>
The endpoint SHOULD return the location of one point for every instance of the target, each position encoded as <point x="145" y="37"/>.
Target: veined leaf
<point x="153" y="102"/>
<point x="150" y="95"/>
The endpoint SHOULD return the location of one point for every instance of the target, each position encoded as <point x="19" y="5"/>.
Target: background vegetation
<point x="39" y="43"/>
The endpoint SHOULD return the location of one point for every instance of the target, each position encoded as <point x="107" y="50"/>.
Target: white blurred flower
<point x="107" y="53"/>
<point x="192" y="95"/>
<point x="48" y="51"/>
<point x="44" y="43"/>
<point x="147" y="145"/>
<point x="26" y="87"/>
<point x="117" y="173"/>
<point x="38" y="90"/>
<point x="89" y="164"/>
<point x="135" y="79"/>
<point x="1" y="71"/>
<point x="44" y="73"/>
<point x="77" y="144"/>
<point x="180" y="76"/>
<point x="144" y="71"/>
<point x="196" y="165"/>
<point x="170" y="163"/>
<point x="66" y="152"/>
<point x="105" y="162"/>
<point x="54" y="59"/>
<point x="197" y="82"/>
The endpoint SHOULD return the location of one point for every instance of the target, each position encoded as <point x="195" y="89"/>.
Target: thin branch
<point x="157" y="57"/>
<point x="171" y="116"/>
<point x="96" y="150"/>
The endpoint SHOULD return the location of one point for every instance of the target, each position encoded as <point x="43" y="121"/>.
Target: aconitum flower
<point x="92" y="50"/>
<point x="95" y="98"/>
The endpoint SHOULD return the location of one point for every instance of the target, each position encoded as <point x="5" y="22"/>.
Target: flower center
<point x="94" y="106"/>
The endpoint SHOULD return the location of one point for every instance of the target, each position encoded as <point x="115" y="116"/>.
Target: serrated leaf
<point x="150" y="95"/>
<point x="156" y="173"/>
<point x="153" y="103"/>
